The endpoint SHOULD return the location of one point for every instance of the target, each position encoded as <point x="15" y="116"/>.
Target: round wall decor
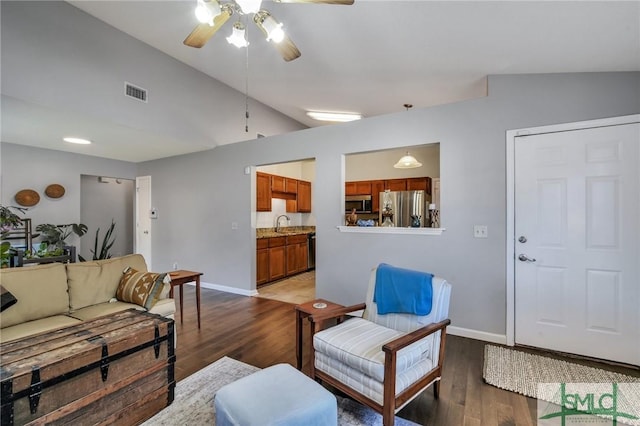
<point x="27" y="197"/>
<point x="54" y="191"/>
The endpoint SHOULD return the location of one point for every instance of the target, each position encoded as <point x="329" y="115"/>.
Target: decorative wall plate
<point x="54" y="191"/>
<point x="27" y="197"/>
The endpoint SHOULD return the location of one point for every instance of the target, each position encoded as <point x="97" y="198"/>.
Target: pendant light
<point x="407" y="162"/>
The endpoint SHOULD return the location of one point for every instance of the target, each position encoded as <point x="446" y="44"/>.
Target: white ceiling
<point x="374" y="56"/>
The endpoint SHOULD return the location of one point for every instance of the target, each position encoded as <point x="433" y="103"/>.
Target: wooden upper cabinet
<point x="377" y="186"/>
<point x="419" y="184"/>
<point x="304" y="196"/>
<point x="396" y="184"/>
<point x="362" y="187"/>
<point x="263" y="191"/>
<point x="284" y="184"/>
<point x="291" y="186"/>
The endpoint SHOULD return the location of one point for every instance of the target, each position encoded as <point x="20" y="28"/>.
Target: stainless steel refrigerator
<point x="404" y="209"/>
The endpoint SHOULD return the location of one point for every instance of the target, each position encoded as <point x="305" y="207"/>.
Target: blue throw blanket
<point x="402" y="291"/>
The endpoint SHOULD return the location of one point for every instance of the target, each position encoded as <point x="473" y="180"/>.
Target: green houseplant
<point x="54" y="236"/>
<point x="8" y="221"/>
<point x="107" y="242"/>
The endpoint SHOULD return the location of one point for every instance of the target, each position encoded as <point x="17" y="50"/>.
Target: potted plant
<point x="8" y="222"/>
<point x="54" y="236"/>
<point x="107" y="242"/>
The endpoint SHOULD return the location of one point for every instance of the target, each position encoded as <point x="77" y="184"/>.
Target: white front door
<point x="143" y="218"/>
<point x="577" y="242"/>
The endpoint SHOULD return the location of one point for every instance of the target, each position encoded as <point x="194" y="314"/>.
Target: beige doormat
<point x="527" y="374"/>
<point x="193" y="403"/>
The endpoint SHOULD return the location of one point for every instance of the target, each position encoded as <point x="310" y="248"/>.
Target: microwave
<point x="362" y="203"/>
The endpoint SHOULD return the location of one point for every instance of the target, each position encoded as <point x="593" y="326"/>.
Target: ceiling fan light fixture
<point x="407" y="162"/>
<point x="249" y="6"/>
<point x="238" y="36"/>
<point x="341" y="117"/>
<point x="271" y="28"/>
<point x="206" y="11"/>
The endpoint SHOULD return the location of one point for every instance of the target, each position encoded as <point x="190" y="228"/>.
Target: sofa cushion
<point x="92" y="283"/>
<point x="164" y="307"/>
<point x="30" y="328"/>
<point x="101" y="309"/>
<point x="41" y="291"/>
<point x="141" y="288"/>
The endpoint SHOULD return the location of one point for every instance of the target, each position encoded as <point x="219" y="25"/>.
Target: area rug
<point x="538" y="377"/>
<point x="193" y="403"/>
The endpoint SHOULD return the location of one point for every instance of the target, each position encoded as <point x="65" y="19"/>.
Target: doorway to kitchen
<point x="285" y="231"/>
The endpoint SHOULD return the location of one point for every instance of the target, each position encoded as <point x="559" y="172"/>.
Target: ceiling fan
<point x="213" y="14"/>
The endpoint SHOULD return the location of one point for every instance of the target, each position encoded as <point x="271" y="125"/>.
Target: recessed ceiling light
<point x="77" y="140"/>
<point x="334" y="116"/>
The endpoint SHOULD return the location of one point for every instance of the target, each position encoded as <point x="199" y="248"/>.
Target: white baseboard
<point x="226" y="289"/>
<point x="500" y="339"/>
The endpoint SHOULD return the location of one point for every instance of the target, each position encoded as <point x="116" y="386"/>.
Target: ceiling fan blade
<point x="203" y="32"/>
<point x="287" y="49"/>
<point x="345" y="2"/>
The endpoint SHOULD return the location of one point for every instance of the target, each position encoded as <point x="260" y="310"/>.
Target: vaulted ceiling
<point x="374" y="56"/>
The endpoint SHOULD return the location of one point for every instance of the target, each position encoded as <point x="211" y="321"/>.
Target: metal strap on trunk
<point x="35" y="390"/>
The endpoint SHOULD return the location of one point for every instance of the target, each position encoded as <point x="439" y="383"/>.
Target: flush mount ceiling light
<point x="79" y="141"/>
<point x="212" y="15"/>
<point x="407" y="162"/>
<point x="340" y="117"/>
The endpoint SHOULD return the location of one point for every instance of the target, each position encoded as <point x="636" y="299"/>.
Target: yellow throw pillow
<point x="141" y="288"/>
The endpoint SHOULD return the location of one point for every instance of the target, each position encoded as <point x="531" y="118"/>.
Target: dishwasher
<point x="311" y="247"/>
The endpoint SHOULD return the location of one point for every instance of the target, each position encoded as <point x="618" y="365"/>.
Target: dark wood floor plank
<point x="261" y="332"/>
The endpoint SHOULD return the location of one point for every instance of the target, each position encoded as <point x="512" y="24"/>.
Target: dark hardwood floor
<point x="261" y="332"/>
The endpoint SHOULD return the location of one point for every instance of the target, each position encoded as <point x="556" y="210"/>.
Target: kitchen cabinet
<point x="358" y="188"/>
<point x="296" y="254"/>
<point x="284" y="184"/>
<point x="377" y="186"/>
<point x="280" y="257"/>
<point x="304" y="197"/>
<point x="262" y="260"/>
<point x="277" y="258"/>
<point x="419" y="184"/>
<point x="263" y="192"/>
<point x="396" y="184"/>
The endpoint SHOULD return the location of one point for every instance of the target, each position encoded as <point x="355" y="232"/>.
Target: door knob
<point x="522" y="239"/>
<point x="524" y="258"/>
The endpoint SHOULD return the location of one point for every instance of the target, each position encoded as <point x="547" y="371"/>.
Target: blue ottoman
<point x="278" y="395"/>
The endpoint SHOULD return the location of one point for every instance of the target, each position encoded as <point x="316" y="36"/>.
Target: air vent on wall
<point x="135" y="92"/>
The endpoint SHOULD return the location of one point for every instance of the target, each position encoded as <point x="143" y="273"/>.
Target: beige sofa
<point x="57" y="295"/>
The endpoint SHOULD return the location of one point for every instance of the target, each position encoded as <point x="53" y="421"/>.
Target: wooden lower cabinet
<point x="280" y="257"/>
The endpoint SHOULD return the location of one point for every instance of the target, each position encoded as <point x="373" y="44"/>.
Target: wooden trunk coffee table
<point x="115" y="369"/>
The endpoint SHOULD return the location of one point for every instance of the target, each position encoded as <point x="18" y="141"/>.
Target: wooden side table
<point x="303" y="311"/>
<point x="180" y="278"/>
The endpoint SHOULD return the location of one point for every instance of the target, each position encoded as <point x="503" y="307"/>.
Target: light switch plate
<point x="480" y="231"/>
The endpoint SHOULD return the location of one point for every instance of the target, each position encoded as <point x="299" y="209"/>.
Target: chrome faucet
<point x="278" y="221"/>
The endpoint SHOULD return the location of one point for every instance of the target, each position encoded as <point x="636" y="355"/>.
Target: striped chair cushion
<point x="367" y="385"/>
<point x="358" y="343"/>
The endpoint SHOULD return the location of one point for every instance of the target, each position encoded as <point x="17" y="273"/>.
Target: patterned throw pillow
<point x="141" y="288"/>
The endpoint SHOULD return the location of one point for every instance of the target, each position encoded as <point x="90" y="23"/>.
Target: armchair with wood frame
<point x="382" y="361"/>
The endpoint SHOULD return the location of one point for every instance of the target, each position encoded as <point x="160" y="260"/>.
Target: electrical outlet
<point x="175" y="266"/>
<point x="234" y="225"/>
<point x="480" y="231"/>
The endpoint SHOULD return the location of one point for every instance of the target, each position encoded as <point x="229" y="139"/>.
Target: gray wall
<point x="104" y="199"/>
<point x="27" y="167"/>
<point x="211" y="191"/>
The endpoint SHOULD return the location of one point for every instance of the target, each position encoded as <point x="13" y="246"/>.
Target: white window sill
<point x="390" y="230"/>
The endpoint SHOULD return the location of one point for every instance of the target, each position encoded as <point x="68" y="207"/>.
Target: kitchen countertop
<point x="284" y="231"/>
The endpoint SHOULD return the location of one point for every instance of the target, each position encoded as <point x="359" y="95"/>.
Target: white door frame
<point x="138" y="215"/>
<point x="510" y="235"/>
